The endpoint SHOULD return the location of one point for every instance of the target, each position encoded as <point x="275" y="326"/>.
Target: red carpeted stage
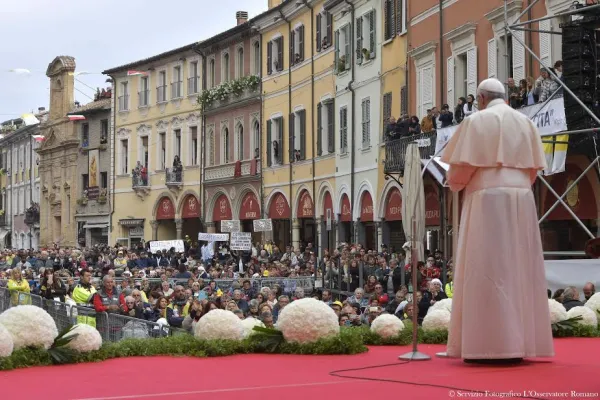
<point x="573" y="373"/>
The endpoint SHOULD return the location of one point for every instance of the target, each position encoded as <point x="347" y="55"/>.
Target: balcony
<point x="395" y="150"/>
<point x="229" y="93"/>
<point x="193" y="85"/>
<point x="161" y="94"/>
<point x="173" y="176"/>
<point x="144" y="98"/>
<point x="176" y="90"/>
<point x="245" y="169"/>
<point x="124" y="102"/>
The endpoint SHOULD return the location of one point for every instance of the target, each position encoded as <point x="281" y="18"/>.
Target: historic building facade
<point x="58" y="154"/>
<point x="156" y="124"/>
<point x="232" y="132"/>
<point x="20" y="186"/>
<point x="93" y="165"/>
<point x="298" y="142"/>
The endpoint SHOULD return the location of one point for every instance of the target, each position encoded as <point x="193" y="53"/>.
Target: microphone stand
<point x="415" y="354"/>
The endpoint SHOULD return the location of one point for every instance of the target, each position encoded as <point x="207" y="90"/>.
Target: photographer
<point x="446" y="117"/>
<point x="53" y="288"/>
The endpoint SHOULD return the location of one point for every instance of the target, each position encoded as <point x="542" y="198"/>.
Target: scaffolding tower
<point x="510" y="27"/>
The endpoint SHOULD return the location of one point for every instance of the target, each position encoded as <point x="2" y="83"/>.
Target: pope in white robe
<point x="500" y="305"/>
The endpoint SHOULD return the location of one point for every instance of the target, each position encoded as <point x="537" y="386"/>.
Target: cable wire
<point x="337" y="374"/>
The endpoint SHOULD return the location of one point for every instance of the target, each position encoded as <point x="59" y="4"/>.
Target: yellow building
<point x="157" y="148"/>
<point x="298" y="143"/>
<point x="394" y="104"/>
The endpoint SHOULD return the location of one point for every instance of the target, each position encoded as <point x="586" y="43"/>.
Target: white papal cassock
<point x="500" y="303"/>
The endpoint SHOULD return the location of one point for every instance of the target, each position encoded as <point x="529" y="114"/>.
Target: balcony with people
<point x="174" y="175"/>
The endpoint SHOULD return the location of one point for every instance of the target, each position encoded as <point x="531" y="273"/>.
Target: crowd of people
<point x="528" y="92"/>
<point x="177" y="289"/>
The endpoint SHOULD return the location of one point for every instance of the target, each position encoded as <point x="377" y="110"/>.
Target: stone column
<point x="378" y="235"/>
<point x="179" y="228"/>
<point x="210" y="227"/>
<point x="356" y="237"/>
<point x="295" y="233"/>
<point x="154" y="225"/>
<point x="335" y="235"/>
<point x="320" y="244"/>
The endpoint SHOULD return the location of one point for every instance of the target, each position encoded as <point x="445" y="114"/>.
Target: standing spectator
<point x="514" y="94"/>
<point x="445" y="118"/>
<point x="427" y="123"/>
<point x="530" y="94"/>
<point x="469" y="107"/>
<point x="109" y="299"/>
<point x="459" y="110"/>
<point x="546" y="85"/>
<point x="414" y="128"/>
<point x="18" y="288"/>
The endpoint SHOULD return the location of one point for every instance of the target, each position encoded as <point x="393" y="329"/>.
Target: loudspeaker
<point x="581" y="68"/>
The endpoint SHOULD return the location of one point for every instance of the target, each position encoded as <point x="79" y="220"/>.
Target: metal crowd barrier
<point x="112" y="327"/>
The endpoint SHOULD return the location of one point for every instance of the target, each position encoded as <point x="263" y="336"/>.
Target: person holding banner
<point x="500" y="309"/>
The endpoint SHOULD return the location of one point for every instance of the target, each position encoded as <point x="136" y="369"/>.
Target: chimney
<point x="41" y="109"/>
<point x="242" y="17"/>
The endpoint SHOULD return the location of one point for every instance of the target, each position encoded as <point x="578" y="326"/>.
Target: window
<point x="342" y="49"/>
<point x="275" y="55"/>
<point x="239" y="65"/>
<point x="324" y="30"/>
<point x="257" y="56"/>
<point x="256" y="139"/>
<point x="104" y="179"/>
<point x="144" y="152"/>
<point x="144" y="92"/>
<point x="365" y="37"/>
<point x="275" y="141"/>
<point x="211" y="71"/>
<point x="297" y="45"/>
<point x="325" y="128"/>
<point x="176" y="89"/>
<point x="297" y="136"/>
<point x="366" y="122"/>
<point x="211" y="148"/>
<point x="403" y="101"/>
<point x="387" y="110"/>
<point x="162" y="150"/>
<point x="177" y="138"/>
<point x="103" y="131"/>
<point x="225" y="146"/>
<point x="85" y="180"/>
<point x="161" y="90"/>
<point x="240" y="142"/>
<point x="401" y="16"/>
<point x="194" y="146"/>
<point x="394" y="14"/>
<point x="425" y="89"/>
<point x="124" y="98"/>
<point x="124" y="156"/>
<point x="343" y="130"/>
<point x="85" y="135"/>
<point x="193" y="79"/>
<point x="225" y="68"/>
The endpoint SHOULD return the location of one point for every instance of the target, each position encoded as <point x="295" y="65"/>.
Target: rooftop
<point x="102" y="104"/>
<point x="149" y="59"/>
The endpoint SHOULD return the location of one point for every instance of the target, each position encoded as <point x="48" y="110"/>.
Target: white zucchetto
<point x="492" y="85"/>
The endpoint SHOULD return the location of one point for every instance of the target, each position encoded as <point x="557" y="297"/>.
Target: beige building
<point x="58" y="159"/>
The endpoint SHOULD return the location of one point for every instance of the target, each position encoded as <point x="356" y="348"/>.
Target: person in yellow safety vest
<point x="18" y="287"/>
<point x="449" y="289"/>
<point x="82" y="295"/>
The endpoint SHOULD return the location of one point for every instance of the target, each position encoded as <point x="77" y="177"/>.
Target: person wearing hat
<point x="495" y="156"/>
<point x="337" y="307"/>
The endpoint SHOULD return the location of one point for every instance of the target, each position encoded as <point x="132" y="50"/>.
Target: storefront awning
<point x="95" y="226"/>
<point x="437" y="169"/>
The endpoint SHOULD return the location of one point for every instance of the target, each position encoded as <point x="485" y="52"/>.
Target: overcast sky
<point x="100" y="35"/>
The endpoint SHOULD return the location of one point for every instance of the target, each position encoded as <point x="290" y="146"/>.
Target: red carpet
<point x="571" y="373"/>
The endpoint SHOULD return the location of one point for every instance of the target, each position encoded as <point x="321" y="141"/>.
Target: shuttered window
<point x="269" y="143"/>
<point x="319" y="129"/>
<point x="269" y="58"/>
<point x="545" y="43"/>
<point x="343" y="130"/>
<point x="292" y="138"/>
<point x="389" y="20"/>
<point x="359" y="40"/>
<point x="400" y="16"/>
<point x="302" y="119"/>
<point x="518" y="60"/>
<point x="450" y="83"/>
<point x="330" y="127"/>
<point x="366" y="122"/>
<point x="472" y="71"/>
<point x="492" y="58"/>
<point x="403" y="101"/>
<point x="387" y="109"/>
<point x="279" y="66"/>
<point x="319" y="34"/>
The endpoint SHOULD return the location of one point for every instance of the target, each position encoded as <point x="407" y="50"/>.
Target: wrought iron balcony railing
<point x="395" y="150"/>
<point x="173" y="176"/>
<point x="139" y="180"/>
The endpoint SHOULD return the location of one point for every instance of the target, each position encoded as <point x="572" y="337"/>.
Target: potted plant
<point x="366" y="54"/>
<point x="341" y="67"/>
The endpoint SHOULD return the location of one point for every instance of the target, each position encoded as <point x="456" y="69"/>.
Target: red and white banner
<point x="76" y="117"/>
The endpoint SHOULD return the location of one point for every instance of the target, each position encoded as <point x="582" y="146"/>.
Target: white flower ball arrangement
<point x="88" y="338"/>
<point x="6" y="342"/>
<point x="219" y="324"/>
<point x="436" y="319"/>
<point x="589" y="317"/>
<point x="387" y="325"/>
<point x="249" y="323"/>
<point x="445" y="304"/>
<point x="557" y="311"/>
<point x="29" y="326"/>
<point x="307" y="320"/>
<point x="594" y="303"/>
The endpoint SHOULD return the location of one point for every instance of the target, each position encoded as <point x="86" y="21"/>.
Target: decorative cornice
<point x="176" y="120"/>
<point x="123" y="132"/>
<point x="423" y="50"/>
<point x="143" y="128"/>
<point x="162" y="124"/>
<point x="193" y="118"/>
<point x="496" y="16"/>
<point x="461" y="32"/>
